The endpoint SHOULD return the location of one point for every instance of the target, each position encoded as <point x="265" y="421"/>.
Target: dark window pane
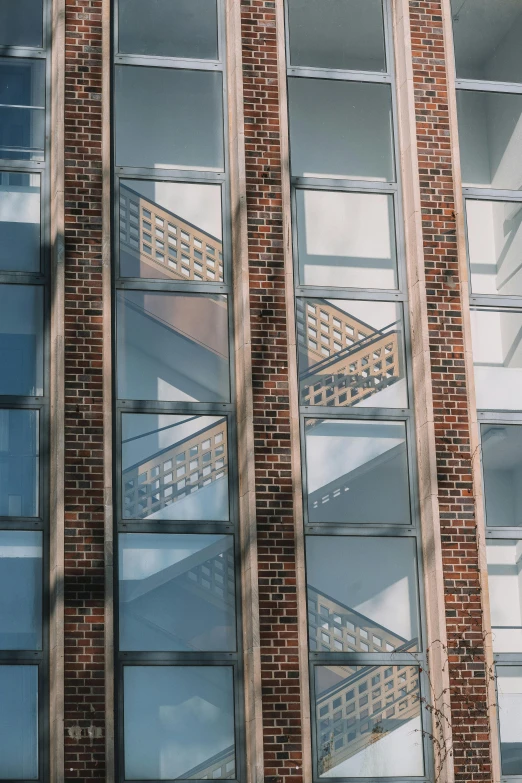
<point x="509" y="686"/>
<point x="341" y="129"/>
<point x="487" y="38"/>
<point x="172" y="347"/>
<point x="171" y="230"/>
<point x="19" y="222"/>
<point x="21" y="23"/>
<point x="495" y="246"/>
<point x="351" y="353"/>
<point x="502" y="468"/>
<point x="188" y="103"/>
<point x="20" y="590"/>
<point x="346" y="239"/>
<point x="168" y="28"/>
<point x="497" y="356"/>
<point x="373" y="734"/>
<point x="19" y="722"/>
<point x="350" y="612"/>
<point x="342" y="34"/>
<point x="175" y="467"/>
<point x="489" y="132"/>
<point x="22" y="109"/>
<point x="357" y="471"/>
<point x="19" y="461"/>
<point x="505" y="589"/>
<point x="21" y="340"/>
<point x="177" y="592"/>
<point x="179" y="722"/>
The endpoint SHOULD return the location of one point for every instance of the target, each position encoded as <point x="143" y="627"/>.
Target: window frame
<point x="227" y="409"/>
<point x="397" y="295"/>
<point x="41" y="403"/>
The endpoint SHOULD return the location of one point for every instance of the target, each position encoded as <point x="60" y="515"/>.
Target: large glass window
<point x="22" y="109"/>
<point x="509" y="697"/>
<point x="360" y="507"/>
<point x="24" y="388"/>
<point x="168" y="710"/>
<point x="178" y="654"/>
<point x="21" y="23"/>
<point x="172" y="346"/>
<point x="351" y="353"/>
<point x="368" y="722"/>
<point x="486" y="36"/>
<point x="497" y="356"/>
<point x="19" y="722"/>
<point x="171" y="231"/>
<point x="502" y="471"/>
<point x="346" y="239"/>
<point x="495" y="246"/>
<point x="341" y="129"/>
<point x="504" y="558"/>
<point x="357" y="472"/>
<point x="148" y="100"/>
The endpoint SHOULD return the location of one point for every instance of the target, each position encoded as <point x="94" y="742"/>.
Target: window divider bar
<point x="488" y="86"/>
<point x="333" y="73"/>
<point x="149" y="61"/>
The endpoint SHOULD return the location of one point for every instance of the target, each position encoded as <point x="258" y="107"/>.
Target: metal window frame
<point x="227" y="409"/>
<point x="41" y="403"/>
<point x="503" y="304"/>
<point x="403" y="414"/>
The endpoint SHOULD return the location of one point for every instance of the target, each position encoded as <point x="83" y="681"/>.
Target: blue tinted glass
<point x="18" y="463"/>
<point x="22" y="109"/>
<point x="21" y="23"/>
<point x="21" y="340"/>
<point x="176" y="592"/>
<point x="19" y="222"/>
<point x="18" y="722"/>
<point x="179" y="722"/>
<point x="20" y="590"/>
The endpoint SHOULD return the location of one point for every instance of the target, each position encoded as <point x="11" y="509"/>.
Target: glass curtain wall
<point x="24" y="388"/>
<point x="488" y="57"/>
<point x="364" y="588"/>
<point x="178" y="660"/>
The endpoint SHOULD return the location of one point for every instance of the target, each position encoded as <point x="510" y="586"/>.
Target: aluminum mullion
<point x="343" y="184"/>
<point x="488" y="86"/>
<point x="347" y="294"/>
<point x="176" y="63"/>
<point x="338" y="74"/>
<point x="202" y="176"/>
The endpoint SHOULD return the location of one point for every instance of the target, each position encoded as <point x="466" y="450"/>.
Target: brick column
<point x="277" y="557"/>
<point x="444" y="290"/>
<point x="84" y="431"/>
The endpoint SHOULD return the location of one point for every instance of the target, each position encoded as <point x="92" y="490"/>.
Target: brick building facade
<point x="259" y="450"/>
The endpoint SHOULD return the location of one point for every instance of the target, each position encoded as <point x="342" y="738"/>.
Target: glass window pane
<point x="346" y="239"/>
<point x="509" y="689"/>
<point x="21" y="23"/>
<point x="487" y="38"/>
<point x="19" y="722"/>
<point x="357" y="471"/>
<point x="351" y="353"/>
<point x="490" y="132"/>
<point x="171" y="230"/>
<point x="497" y="356"/>
<point x="341" y="129"/>
<point x="19" y="460"/>
<point x="188" y="103"/>
<point x="21" y="340"/>
<point x="179" y="722"/>
<point x="22" y="109"/>
<point x="495" y="246"/>
<point x="362" y="594"/>
<point x="172" y="347"/>
<point x="502" y="468"/>
<point x="505" y="590"/>
<point x="171" y="470"/>
<point x="176" y="592"/>
<point x="341" y="34"/>
<point x="19" y="222"/>
<point x="168" y="28"/>
<point x="20" y="590"/>
<point x="365" y="731"/>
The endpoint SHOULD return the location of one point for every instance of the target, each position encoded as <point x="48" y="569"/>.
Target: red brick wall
<point x="84" y="498"/>
<point x="464" y="621"/>
<point x="274" y="512"/>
